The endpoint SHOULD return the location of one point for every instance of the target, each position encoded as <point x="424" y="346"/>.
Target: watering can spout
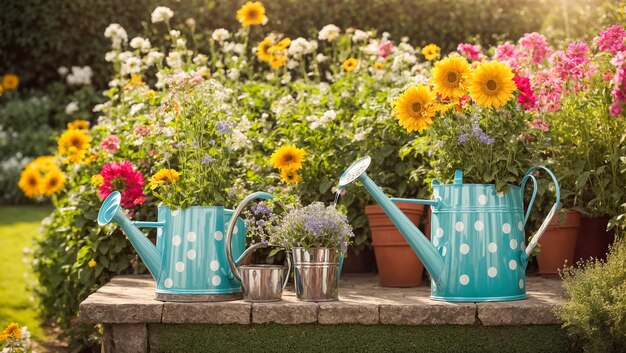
<point x="424" y="249"/>
<point x="111" y="211"/>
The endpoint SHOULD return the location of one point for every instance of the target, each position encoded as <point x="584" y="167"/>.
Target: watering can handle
<point x="231" y="228"/>
<point x="535" y="238"/>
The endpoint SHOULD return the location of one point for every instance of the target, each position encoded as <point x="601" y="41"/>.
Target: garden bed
<point x="372" y="313"/>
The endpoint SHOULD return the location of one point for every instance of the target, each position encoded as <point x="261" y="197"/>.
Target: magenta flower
<point x="470" y="51"/>
<point x="111" y="143"/>
<point x="526" y="96"/>
<point x="122" y="177"/>
<point x="535" y="47"/>
<point x="612" y="39"/>
<point x="615" y="109"/>
<point x="385" y="49"/>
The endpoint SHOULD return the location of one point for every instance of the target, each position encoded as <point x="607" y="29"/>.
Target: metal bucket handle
<point x="544" y="225"/>
<point x="253" y="247"/>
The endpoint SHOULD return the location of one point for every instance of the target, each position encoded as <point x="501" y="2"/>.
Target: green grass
<point x="18" y="227"/>
<point x="358" y="338"/>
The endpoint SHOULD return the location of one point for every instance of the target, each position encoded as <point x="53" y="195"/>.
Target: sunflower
<point x="164" y="177"/>
<point x="280" y="46"/>
<point x="262" y="49"/>
<point x="415" y="108"/>
<point x="10" y="82"/>
<point x="431" y="52"/>
<point x="13" y="330"/>
<point x="43" y="164"/>
<point x="350" y="64"/>
<point x="450" y="76"/>
<point x="379" y="66"/>
<point x="491" y="84"/>
<point x="277" y="61"/>
<point x="290" y="176"/>
<point x="251" y="13"/>
<point x="52" y="182"/>
<point x="30" y="181"/>
<point x="78" y="125"/>
<point x="72" y="141"/>
<point x="288" y="157"/>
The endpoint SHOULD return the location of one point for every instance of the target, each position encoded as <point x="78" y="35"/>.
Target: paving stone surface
<point x="130" y="300"/>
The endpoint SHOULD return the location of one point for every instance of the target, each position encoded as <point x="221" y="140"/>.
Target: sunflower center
<point x="252" y="14"/>
<point x="32" y="181"/>
<point x="53" y="182"/>
<point x="452" y="77"/>
<point x="118" y="183"/>
<point x="417" y="107"/>
<point x="288" y="158"/>
<point x="75" y="142"/>
<point x="491" y="85"/>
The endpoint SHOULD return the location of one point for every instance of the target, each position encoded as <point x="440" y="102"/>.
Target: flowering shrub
<point x="15" y="339"/>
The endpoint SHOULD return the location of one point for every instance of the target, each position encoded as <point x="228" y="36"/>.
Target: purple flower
<point x="206" y="160"/>
<point x="195" y="144"/>
<point x="463" y="138"/>
<point x="225" y="127"/>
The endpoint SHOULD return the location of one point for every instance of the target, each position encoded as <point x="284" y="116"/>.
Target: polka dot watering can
<point x="478" y="250"/>
<point x="189" y="261"/>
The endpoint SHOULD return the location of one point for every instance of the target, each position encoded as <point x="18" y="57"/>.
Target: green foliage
<point x="596" y="310"/>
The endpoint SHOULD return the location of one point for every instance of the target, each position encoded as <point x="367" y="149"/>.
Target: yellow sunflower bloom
<point x="280" y="46"/>
<point x="491" y="84"/>
<point x="78" y="125"/>
<point x="72" y="141"/>
<point x="450" y="76"/>
<point x="164" y="177"/>
<point x="43" y="164"/>
<point x="13" y="330"/>
<point x="431" y="52"/>
<point x="10" y="82"/>
<point x="379" y="66"/>
<point x="30" y="182"/>
<point x="415" y="108"/>
<point x="350" y="64"/>
<point x="251" y="13"/>
<point x="290" y="176"/>
<point x="277" y="61"/>
<point x="52" y="182"/>
<point x="288" y="157"/>
<point x="262" y="49"/>
<point x="91" y="263"/>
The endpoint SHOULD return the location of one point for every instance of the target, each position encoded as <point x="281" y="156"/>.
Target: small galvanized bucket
<point x="316" y="274"/>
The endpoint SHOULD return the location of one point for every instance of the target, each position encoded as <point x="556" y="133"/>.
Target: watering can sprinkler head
<point x="353" y="172"/>
<point x="109" y="208"/>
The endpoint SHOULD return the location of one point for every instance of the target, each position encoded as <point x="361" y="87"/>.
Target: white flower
<point x="328" y="33"/>
<point x="63" y="70"/>
<point x="233" y="74"/>
<point x="125" y="55"/>
<point x="98" y="108"/>
<point x="71" y="108"/>
<point x="161" y="14"/>
<point x="326" y="118"/>
<point x="135" y="108"/>
<point x="200" y="59"/>
<point x="321" y="58"/>
<point x="220" y="35"/>
<point x="153" y="57"/>
<point x="174" y="60"/>
<point x="131" y="66"/>
<point x="160" y="80"/>
<point x="115" y="83"/>
<point x="286" y="78"/>
<point x="174" y="34"/>
<point x="181" y="43"/>
<point x="79" y="76"/>
<point x="301" y="46"/>
<point x="190" y="22"/>
<point x="110" y="56"/>
<point x="238" y="48"/>
<point x="117" y="34"/>
<point x="140" y="43"/>
<point x="360" y="36"/>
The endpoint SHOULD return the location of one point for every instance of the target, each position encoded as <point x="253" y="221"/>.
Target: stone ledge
<point x="130" y="300"/>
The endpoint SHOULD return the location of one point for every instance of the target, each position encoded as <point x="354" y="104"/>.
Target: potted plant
<point x="318" y="236"/>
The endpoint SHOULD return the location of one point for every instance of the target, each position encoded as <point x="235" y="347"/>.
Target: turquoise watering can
<point x="189" y="262"/>
<point x="477" y="252"/>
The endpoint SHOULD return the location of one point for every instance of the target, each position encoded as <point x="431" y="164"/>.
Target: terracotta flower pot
<point x="593" y="239"/>
<point x="398" y="266"/>
<point x="361" y="263"/>
<point x="558" y="244"/>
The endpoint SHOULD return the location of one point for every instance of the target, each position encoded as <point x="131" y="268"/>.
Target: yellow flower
<point x="350" y="64"/>
<point x="72" y="141"/>
<point x="78" y="125"/>
<point x="262" y="49"/>
<point x="30" y="181"/>
<point x="150" y="94"/>
<point x="52" y="182"/>
<point x="97" y="180"/>
<point x="13" y="330"/>
<point x="10" y="82"/>
<point x="43" y="164"/>
<point x="415" y="108"/>
<point x="491" y="84"/>
<point x="431" y="52"/>
<point x="450" y="76"/>
<point x="290" y="176"/>
<point x="91" y="263"/>
<point x="277" y="61"/>
<point x="164" y="177"/>
<point x="288" y="157"/>
<point x="379" y="66"/>
<point x="280" y="46"/>
<point x="251" y="13"/>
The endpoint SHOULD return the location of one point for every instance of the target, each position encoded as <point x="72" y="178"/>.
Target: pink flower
<point x="385" y="49"/>
<point x="615" y="109"/>
<point x="550" y="91"/>
<point x="612" y="39"/>
<point x="541" y="125"/>
<point x="535" y="47"/>
<point x="122" y="177"/>
<point x="111" y="143"/>
<point x="470" y="51"/>
<point x="607" y="76"/>
<point x="526" y="96"/>
<point x="141" y="130"/>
